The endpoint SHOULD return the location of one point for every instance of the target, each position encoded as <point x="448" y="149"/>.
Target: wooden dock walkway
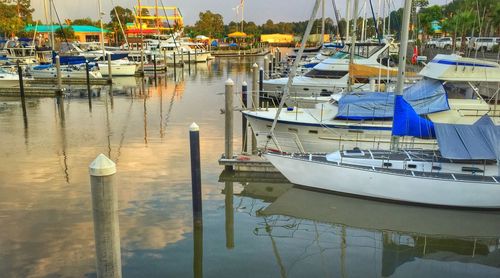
<point x="248" y="163"/>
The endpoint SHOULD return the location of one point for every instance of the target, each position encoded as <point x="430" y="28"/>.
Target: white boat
<point x="120" y="67"/>
<point x="464" y="173"/>
<point x="67" y="71"/>
<point x="332" y="74"/>
<point x="320" y="129"/>
<point x="8" y="78"/>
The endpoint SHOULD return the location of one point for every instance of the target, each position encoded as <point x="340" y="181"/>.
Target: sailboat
<point x="464" y="173"/>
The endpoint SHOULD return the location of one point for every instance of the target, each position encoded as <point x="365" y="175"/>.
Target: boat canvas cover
<point x="426" y="96"/>
<point x="477" y="141"/>
<point x="407" y="122"/>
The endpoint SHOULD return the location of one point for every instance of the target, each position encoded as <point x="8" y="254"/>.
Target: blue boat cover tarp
<point x="407" y="122"/>
<point x="477" y="141"/>
<point x="427" y="96"/>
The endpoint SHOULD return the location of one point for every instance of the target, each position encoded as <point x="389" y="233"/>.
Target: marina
<point x="163" y="144"/>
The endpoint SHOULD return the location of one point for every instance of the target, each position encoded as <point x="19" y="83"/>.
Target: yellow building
<point x="277" y="39"/>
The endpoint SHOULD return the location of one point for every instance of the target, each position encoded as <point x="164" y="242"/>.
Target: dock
<point x="248" y="163"/>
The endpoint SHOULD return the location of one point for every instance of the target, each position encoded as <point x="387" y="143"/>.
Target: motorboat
<point x="67" y="71"/>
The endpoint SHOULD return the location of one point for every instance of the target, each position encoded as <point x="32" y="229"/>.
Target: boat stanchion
<point x="21" y="91"/>
<point x="244" y="99"/>
<point x="229" y="89"/>
<point x="89" y="93"/>
<point x="105" y="214"/>
<point x="194" y="146"/>
<point x="110" y="74"/>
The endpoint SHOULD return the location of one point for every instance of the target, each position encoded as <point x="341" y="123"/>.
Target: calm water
<point x="266" y="228"/>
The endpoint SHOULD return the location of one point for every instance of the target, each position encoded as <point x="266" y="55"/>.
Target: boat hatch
<point x="355" y="152"/>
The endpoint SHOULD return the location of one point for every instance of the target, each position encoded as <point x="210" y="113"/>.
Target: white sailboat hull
<point x="118" y="69"/>
<point x="387" y="186"/>
<point x="51" y="73"/>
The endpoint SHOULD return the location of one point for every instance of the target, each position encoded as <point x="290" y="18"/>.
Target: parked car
<point x="444" y="43"/>
<point x="458" y="42"/>
<point x="483" y="43"/>
<point x="432" y="43"/>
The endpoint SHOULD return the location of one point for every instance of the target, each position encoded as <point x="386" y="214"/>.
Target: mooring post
<point x="194" y="145"/>
<point x="244" y="99"/>
<point x="21" y="91"/>
<point x="266" y="67"/>
<point x="89" y="93"/>
<point x="58" y="75"/>
<point x="278" y="59"/>
<point x="182" y="58"/>
<point x="198" y="250"/>
<point x="189" y="61"/>
<point x="228" y="153"/>
<point x="175" y="67"/>
<point x="255" y="101"/>
<point x="110" y="73"/>
<point x="153" y="57"/>
<point x="271" y="65"/>
<point x="165" y="59"/>
<point x="195" y="56"/>
<point x="142" y="61"/>
<point x="105" y="213"/>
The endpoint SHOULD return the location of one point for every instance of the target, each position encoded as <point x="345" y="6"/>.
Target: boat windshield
<point x="328" y="74"/>
<point x="360" y="51"/>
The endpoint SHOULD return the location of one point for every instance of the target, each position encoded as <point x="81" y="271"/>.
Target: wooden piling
<point x="229" y="211"/>
<point x="142" y="60"/>
<point x="255" y="100"/>
<point x="194" y="144"/>
<point x="229" y="87"/>
<point x="154" y="66"/>
<point x="21" y="91"/>
<point x="110" y="74"/>
<point x="58" y="74"/>
<point x="105" y="214"/>
<point x="244" y="124"/>
<point x="266" y="68"/>
<point x="165" y="59"/>
<point x="89" y="93"/>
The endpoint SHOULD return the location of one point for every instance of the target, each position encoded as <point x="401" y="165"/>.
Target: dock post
<point x="228" y="153"/>
<point x="278" y="58"/>
<point x="266" y="67"/>
<point x="89" y="93"/>
<point x="21" y="91"/>
<point x="110" y="73"/>
<point x="142" y="61"/>
<point x="261" y="80"/>
<point x="175" y="67"/>
<point x="105" y="214"/>
<point x="195" y="56"/>
<point x="244" y="124"/>
<point x="194" y="145"/>
<point x="271" y="65"/>
<point x="229" y="211"/>
<point x="58" y="75"/>
<point x="255" y="100"/>
<point x="165" y="59"/>
<point x="154" y="66"/>
<point x="182" y="58"/>
<point x="189" y="61"/>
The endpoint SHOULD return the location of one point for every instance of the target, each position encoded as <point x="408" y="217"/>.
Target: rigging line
<point x="375" y="22"/>
<point x="336" y="13"/>
<point x="168" y="24"/>
<point x="59" y="20"/>
<point x="119" y="22"/>
<point x="294" y="69"/>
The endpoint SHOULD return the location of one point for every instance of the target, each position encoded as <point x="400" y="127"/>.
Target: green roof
<point x="76" y="28"/>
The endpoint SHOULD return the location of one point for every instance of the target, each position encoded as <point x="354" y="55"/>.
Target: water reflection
<point x="336" y="233"/>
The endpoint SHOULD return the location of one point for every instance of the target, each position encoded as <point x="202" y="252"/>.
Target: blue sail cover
<point x="407" y="122"/>
<point x="478" y="141"/>
<point x="427" y="96"/>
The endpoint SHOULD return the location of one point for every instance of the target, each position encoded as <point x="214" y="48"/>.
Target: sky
<point x="255" y="10"/>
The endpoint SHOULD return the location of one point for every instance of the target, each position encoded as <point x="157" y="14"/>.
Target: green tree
<point x="210" y="24"/>
<point x="10" y="23"/>
<point x="85" y="21"/>
<point x="427" y="15"/>
<point x="65" y="33"/>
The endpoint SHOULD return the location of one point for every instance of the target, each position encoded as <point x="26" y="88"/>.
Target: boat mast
<point x="348" y="19"/>
<point x="353" y="45"/>
<point x="102" y="30"/>
<point x="293" y="71"/>
<point x="242" y="6"/>
<point x="52" y="42"/>
<point x="322" y="38"/>
<point x="403" y="47"/>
